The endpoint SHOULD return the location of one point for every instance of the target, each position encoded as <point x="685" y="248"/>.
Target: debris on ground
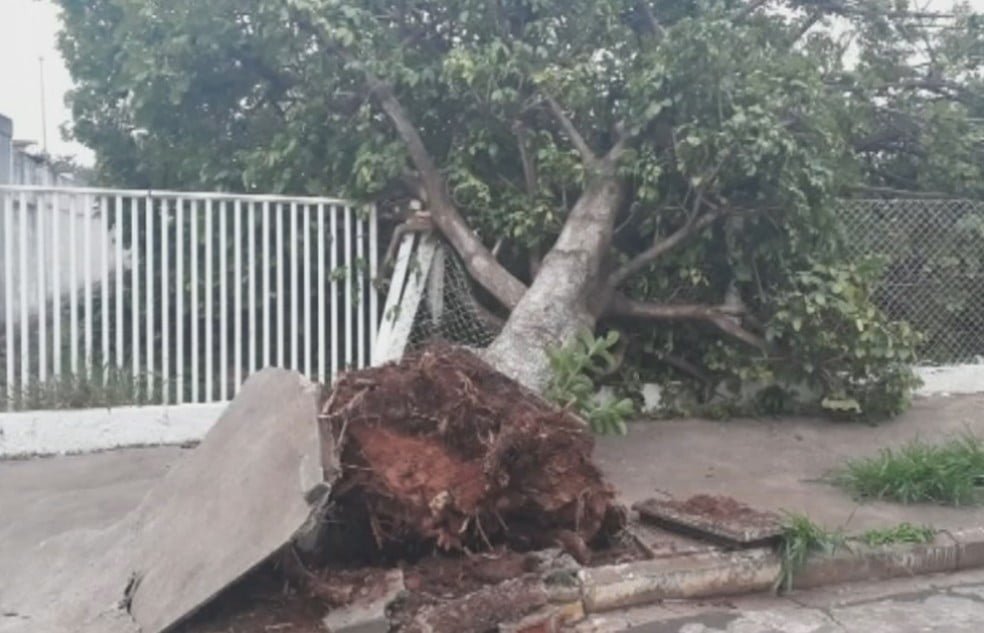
<point x="422" y="496"/>
<point x="716" y="517"/>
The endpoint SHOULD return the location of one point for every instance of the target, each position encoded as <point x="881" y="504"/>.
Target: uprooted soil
<point x="442" y="450"/>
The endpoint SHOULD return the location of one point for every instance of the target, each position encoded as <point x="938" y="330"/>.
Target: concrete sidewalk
<point x="773" y="464"/>
<point x="779" y="464"/>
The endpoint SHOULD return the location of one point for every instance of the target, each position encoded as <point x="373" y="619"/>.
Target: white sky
<point x="28" y="29"/>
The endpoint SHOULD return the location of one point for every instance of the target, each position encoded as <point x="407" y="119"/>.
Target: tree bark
<point x="561" y="301"/>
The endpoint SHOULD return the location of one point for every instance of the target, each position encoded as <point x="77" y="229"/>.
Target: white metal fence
<point x="183" y="294"/>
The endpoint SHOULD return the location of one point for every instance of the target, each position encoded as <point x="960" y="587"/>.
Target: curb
<point x="720" y="574"/>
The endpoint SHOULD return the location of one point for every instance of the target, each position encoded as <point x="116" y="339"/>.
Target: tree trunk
<point x="563" y="299"/>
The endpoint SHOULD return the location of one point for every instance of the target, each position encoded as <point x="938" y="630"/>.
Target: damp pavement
<point x="780" y="464"/>
<point x="930" y="604"/>
<point x="772" y="464"/>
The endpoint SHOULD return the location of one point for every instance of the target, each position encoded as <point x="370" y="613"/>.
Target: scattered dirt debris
<point x="260" y="603"/>
<point x="440" y="449"/>
<point x="719" y="517"/>
<point x="438" y="585"/>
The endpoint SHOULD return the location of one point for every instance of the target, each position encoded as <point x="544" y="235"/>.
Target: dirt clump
<point x="713" y="507"/>
<point x="442" y="450"/>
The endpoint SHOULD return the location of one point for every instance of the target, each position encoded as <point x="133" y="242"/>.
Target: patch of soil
<point x="715" y="508"/>
<point x="442" y="449"/>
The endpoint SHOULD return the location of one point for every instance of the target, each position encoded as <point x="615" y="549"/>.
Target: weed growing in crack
<point x="802" y="538"/>
<point x="902" y="533"/>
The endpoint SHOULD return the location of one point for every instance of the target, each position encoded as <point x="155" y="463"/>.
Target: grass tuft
<point x="800" y="539"/>
<point x="902" y="533"/>
<point x="951" y="473"/>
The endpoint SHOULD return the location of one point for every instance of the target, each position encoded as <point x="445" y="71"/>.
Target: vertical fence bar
<point x="149" y="291"/>
<point x="8" y="288"/>
<point x="373" y="271"/>
<point x="165" y="304"/>
<point x="295" y="318"/>
<point x="104" y="335"/>
<point x="265" y="247"/>
<point x="281" y="290"/>
<point x="308" y="335"/>
<point x="223" y="300"/>
<point x="321" y="265"/>
<point x="89" y="328"/>
<point x="207" y="288"/>
<point x="73" y="287"/>
<point x="237" y="276"/>
<point x="56" y="334"/>
<point x="349" y="280"/>
<point x="135" y="287"/>
<point x="41" y="207"/>
<point x="118" y="239"/>
<point x="334" y="293"/>
<point x="254" y="332"/>
<point x="193" y="356"/>
<point x="25" y="339"/>
<point x="179" y="308"/>
<point x="362" y="328"/>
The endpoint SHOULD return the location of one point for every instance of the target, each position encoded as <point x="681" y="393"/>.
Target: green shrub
<point x="576" y="368"/>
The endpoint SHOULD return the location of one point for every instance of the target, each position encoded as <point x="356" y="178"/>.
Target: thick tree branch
<point x="661" y="247"/>
<point x="530" y="176"/>
<point x="723" y="317"/>
<point x="488" y="272"/>
<point x="582" y="147"/>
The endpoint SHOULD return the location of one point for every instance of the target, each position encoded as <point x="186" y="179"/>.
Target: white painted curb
<point x="89" y="430"/>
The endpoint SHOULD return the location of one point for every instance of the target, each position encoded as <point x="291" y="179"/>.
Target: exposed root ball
<point x="440" y="448"/>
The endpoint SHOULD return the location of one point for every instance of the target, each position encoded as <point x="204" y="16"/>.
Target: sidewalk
<point x="771" y="464"/>
<point x="778" y="464"/>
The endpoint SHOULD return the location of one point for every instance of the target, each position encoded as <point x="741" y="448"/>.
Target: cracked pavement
<point x="931" y="604"/>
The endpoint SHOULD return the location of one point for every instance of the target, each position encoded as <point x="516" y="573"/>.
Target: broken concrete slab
<point x="718" y="518"/>
<point x="241" y="496"/>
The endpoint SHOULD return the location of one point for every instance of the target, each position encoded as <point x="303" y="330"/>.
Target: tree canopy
<point x="715" y="134"/>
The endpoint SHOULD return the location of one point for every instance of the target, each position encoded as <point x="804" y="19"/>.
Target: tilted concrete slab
<point x="243" y="494"/>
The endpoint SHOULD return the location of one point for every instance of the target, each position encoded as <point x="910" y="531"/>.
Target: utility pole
<point x="44" y="110"/>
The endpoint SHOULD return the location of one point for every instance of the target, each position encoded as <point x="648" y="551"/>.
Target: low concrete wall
<point x="951" y="380"/>
<point x="89" y="430"/>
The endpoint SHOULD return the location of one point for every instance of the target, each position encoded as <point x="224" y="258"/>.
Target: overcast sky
<point x="28" y="29"/>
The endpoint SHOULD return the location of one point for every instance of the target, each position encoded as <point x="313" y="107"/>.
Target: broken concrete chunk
<point x="367" y="615"/>
<point x="236" y="500"/>
<point x="484" y="609"/>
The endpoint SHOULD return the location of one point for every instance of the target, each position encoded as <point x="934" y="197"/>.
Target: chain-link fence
<point x="930" y="252"/>
<point x="449" y="311"/>
<point x="932" y="258"/>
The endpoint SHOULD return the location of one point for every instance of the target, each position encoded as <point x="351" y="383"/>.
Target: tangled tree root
<point x="440" y="449"/>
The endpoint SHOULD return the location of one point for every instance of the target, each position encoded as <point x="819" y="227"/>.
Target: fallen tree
<point x="665" y="168"/>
